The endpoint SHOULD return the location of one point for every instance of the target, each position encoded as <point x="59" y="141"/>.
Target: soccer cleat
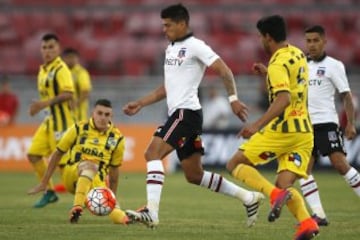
<point x="320" y="221"/>
<point x="278" y="200"/>
<point x="307" y="229"/>
<point x="143" y="215"/>
<point x="252" y="209"/>
<point x="75" y="214"/>
<point x="48" y="197"/>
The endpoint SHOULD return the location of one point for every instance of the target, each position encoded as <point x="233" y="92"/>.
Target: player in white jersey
<point x="185" y="62"/>
<point x="327" y="76"/>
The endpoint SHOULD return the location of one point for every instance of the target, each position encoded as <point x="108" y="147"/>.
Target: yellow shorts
<point x="70" y="176"/>
<point x="291" y="150"/>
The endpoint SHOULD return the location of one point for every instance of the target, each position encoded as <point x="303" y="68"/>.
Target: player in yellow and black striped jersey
<point x="56" y="90"/>
<point x="82" y="83"/>
<point x="96" y="149"/>
<point x="283" y="132"/>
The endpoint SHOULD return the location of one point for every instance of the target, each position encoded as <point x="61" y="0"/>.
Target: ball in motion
<point x="100" y="201"/>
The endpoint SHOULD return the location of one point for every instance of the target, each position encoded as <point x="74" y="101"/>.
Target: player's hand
<point x="350" y="131"/>
<point x="259" y="69"/>
<point x="248" y="130"/>
<point x="132" y="108"/>
<point x="35" y="107"/>
<point x="239" y="109"/>
<point x="39" y="188"/>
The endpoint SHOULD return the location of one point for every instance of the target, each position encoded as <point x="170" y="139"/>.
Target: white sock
<point x="353" y="178"/>
<point x="154" y="183"/>
<point x="216" y="183"/>
<point x="310" y="192"/>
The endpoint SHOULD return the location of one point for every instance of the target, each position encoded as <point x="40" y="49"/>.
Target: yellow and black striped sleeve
<point x="118" y="154"/>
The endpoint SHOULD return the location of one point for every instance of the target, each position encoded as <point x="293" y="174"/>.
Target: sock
<point x="154" y="183"/>
<point x="252" y="178"/>
<point x="296" y="205"/>
<point x="40" y="169"/>
<point x="82" y="188"/>
<point x="311" y="194"/>
<point x="118" y="216"/>
<point x="216" y="183"/>
<point x="353" y="178"/>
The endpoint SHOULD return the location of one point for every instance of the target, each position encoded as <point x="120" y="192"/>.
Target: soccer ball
<point x="100" y="201"/>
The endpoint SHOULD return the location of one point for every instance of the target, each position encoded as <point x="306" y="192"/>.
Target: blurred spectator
<point x="9" y="103"/>
<point x="82" y="83"/>
<point x="216" y="110"/>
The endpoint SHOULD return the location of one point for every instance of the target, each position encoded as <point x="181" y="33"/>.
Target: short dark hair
<point x="273" y="25"/>
<point x="103" y="102"/>
<point x="176" y="13"/>
<point x="69" y="51"/>
<point x="50" y="36"/>
<point x="316" y="29"/>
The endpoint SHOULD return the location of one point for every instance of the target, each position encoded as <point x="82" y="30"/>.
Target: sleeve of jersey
<point x="85" y="83"/>
<point x="339" y="78"/>
<point x="65" y="80"/>
<point x="279" y="78"/>
<point x="118" y="154"/>
<point x="203" y="52"/>
<point x="67" y="140"/>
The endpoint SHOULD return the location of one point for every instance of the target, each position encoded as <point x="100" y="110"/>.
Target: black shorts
<point x="328" y="138"/>
<point x="183" y="131"/>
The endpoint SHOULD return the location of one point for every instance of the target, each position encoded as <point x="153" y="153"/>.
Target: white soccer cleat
<point x="252" y="209"/>
<point x="145" y="216"/>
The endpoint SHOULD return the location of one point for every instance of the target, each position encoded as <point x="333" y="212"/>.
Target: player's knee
<point x="33" y="158"/>
<point x="87" y="168"/>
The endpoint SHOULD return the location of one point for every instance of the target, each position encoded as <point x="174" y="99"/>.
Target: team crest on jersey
<point x="296" y="158"/>
<point x="96" y="141"/>
<point x="182" y="53"/>
<point x="111" y="142"/>
<point x="332" y="136"/>
<point x="320" y="72"/>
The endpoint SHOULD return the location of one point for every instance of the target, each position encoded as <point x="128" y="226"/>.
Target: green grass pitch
<point x="187" y="212"/>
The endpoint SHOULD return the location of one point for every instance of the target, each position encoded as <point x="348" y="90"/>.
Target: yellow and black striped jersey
<point x="82" y="82"/>
<point x="53" y="79"/>
<point x="85" y="142"/>
<point x="288" y="71"/>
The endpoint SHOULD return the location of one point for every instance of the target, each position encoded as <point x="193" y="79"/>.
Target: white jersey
<point x="184" y="67"/>
<point x="325" y="78"/>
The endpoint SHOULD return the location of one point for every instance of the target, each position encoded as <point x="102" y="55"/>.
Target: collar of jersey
<point x="51" y="64"/>
<point x="182" y="38"/>
<point x="317" y="60"/>
<point x="92" y="125"/>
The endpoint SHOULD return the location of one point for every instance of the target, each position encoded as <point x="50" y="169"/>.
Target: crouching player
<point x="96" y="150"/>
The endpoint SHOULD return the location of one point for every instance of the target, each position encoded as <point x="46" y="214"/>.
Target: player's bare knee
<point x="33" y="158"/>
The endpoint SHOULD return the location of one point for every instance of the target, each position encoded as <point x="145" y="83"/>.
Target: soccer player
<point x="96" y="149"/>
<point x="283" y="132"/>
<point x="327" y="75"/>
<point x="82" y="83"/>
<point x="185" y="62"/>
<point x="56" y="88"/>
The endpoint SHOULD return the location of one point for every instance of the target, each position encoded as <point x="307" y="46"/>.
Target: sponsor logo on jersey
<point x="181" y="53"/>
<point x="320" y="72"/>
<point x="92" y="152"/>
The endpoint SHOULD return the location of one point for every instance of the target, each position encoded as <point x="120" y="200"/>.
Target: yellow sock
<point x="40" y="169"/>
<point x="82" y="188"/>
<point x="252" y="178"/>
<point x="296" y="205"/>
<point x="118" y="216"/>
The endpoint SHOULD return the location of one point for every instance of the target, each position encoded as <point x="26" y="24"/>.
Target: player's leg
<point x="350" y="174"/>
<point x="40" y="148"/>
<point x="195" y="174"/>
<point x="311" y="194"/>
<point x="86" y="172"/>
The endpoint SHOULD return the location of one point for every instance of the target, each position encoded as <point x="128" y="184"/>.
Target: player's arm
<point x="37" y="106"/>
<point x="134" y="107"/>
<point x="54" y="160"/>
<point x="113" y="178"/>
<point x="238" y="108"/>
<point x="115" y="163"/>
<point x="350" y="129"/>
<point x="277" y="107"/>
